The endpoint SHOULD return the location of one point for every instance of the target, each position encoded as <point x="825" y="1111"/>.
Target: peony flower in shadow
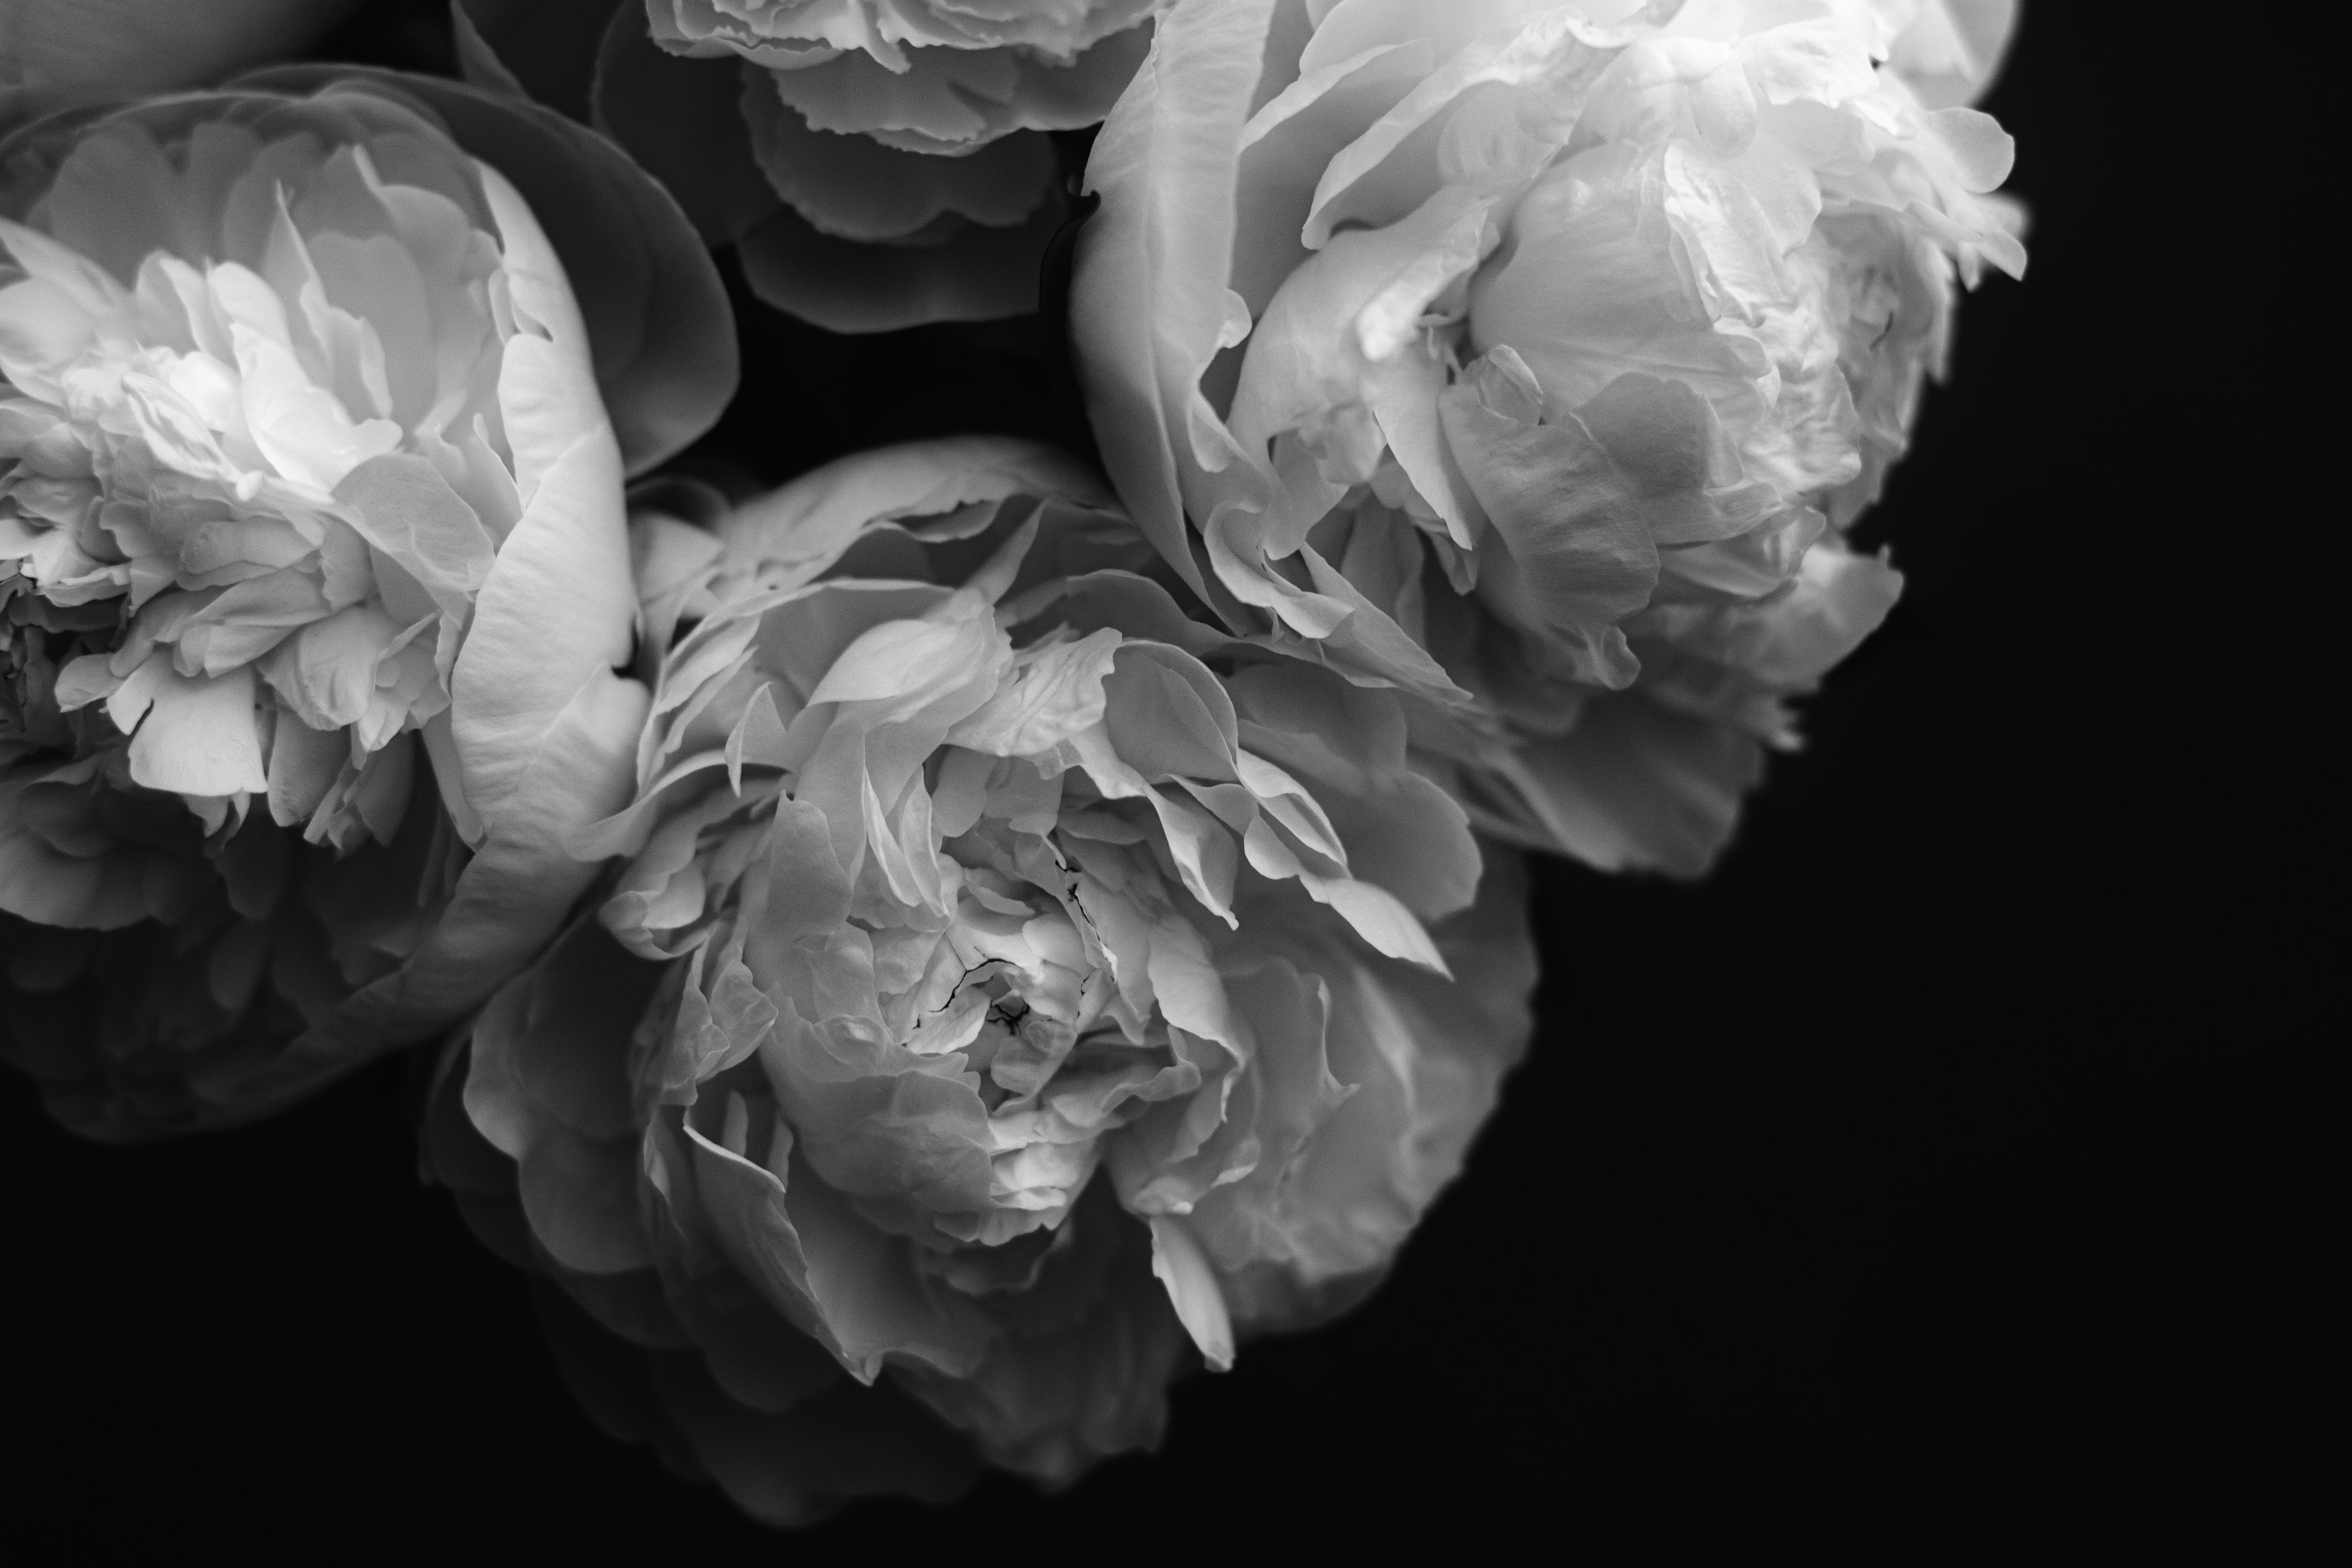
<point x="880" y="163"/>
<point x="314" y="567"/>
<point x="1535" y="358"/>
<point x="1014" y="986"/>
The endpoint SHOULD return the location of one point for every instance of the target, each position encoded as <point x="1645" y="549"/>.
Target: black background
<point x="1940" y="1178"/>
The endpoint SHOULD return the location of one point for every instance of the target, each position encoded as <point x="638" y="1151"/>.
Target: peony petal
<point x="42" y="332"/>
<point x="795" y="532"/>
<point x="1374" y="181"/>
<point x="83" y="288"/>
<point x="547" y="393"/>
<point x="1952" y="51"/>
<point x="825" y="1268"/>
<point x="950" y="99"/>
<point x="520" y="664"/>
<point x="325" y="673"/>
<point x="1051" y="1401"/>
<point x="1379" y="916"/>
<point x="300" y="427"/>
<point x="1050" y="700"/>
<point x="304" y="763"/>
<point x="1289" y="141"/>
<point x="194" y="735"/>
<point x="657" y="317"/>
<point x="545" y="49"/>
<point x="402" y="506"/>
<point x="851" y="187"/>
<point x="1179" y="1265"/>
<point x="103" y="892"/>
<point x="1148" y="304"/>
<point x="978" y="274"/>
<point x="1565" y="519"/>
<point x="1401" y="831"/>
<point x="681" y="119"/>
<point x="1423" y="1060"/>
<point x="1634" y="787"/>
<point x="581" y="1198"/>
<point x="1168" y="717"/>
<point x="896" y="659"/>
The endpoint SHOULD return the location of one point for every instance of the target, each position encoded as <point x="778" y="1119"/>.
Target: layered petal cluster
<point x="1028" y="980"/>
<point x="313" y="577"/>
<point x="880" y="162"/>
<point x="1534" y="357"/>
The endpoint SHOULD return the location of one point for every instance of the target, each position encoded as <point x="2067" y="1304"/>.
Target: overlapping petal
<point x="881" y="164"/>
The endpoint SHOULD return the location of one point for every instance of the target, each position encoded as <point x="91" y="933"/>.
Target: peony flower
<point x="1535" y="358"/>
<point x="313" y="567"/>
<point x="1028" y="980"/>
<point x="880" y="162"/>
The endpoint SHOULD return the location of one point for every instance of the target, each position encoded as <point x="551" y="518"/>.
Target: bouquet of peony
<point x="916" y="958"/>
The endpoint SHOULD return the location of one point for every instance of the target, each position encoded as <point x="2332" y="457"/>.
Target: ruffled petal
<point x="657" y="313"/>
<point x="975" y="274"/>
<point x="855" y="188"/>
<point x="1149" y="304"/>
<point x="521" y="664"/>
<point x="679" y="117"/>
<point x="952" y="101"/>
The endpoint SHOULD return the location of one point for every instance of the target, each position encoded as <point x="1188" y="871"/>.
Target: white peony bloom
<point x="1027" y="979"/>
<point x="311" y="526"/>
<point x="1532" y="357"/>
